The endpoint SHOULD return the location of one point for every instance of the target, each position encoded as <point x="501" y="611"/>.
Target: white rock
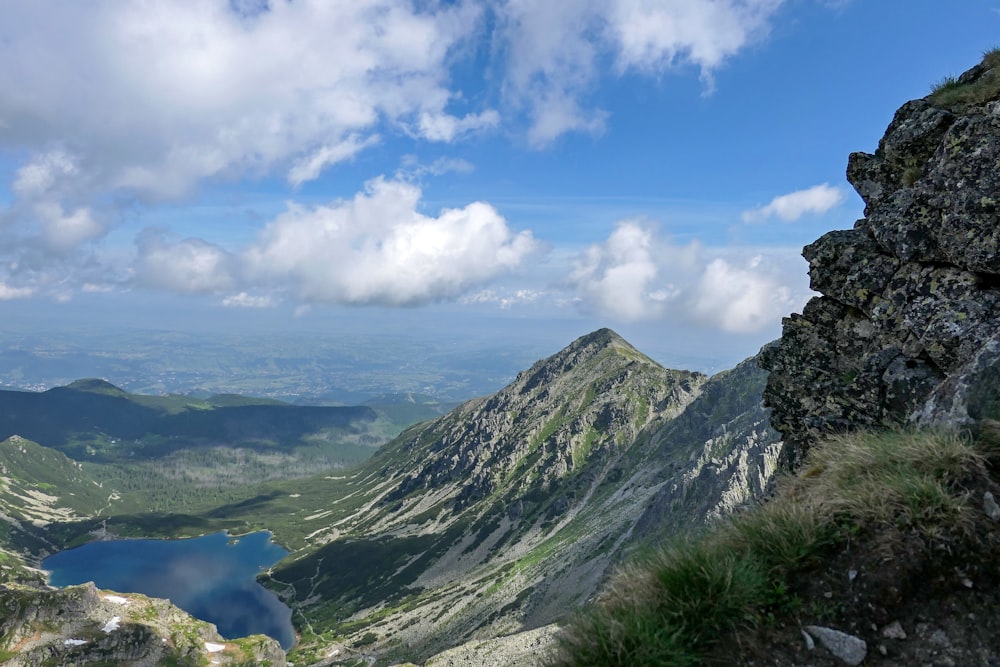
<point x="894" y="631"/>
<point x="848" y="648"/>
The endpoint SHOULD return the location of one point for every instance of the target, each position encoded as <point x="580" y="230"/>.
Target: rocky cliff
<point x="81" y="625"/>
<point x="906" y="329"/>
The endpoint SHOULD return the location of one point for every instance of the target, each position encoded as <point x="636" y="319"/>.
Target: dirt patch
<point x="915" y="600"/>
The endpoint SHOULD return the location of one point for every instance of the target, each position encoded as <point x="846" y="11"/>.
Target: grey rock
<point x="894" y="631"/>
<point x="905" y="328"/>
<point x="991" y="507"/>
<point x="847" y="648"/>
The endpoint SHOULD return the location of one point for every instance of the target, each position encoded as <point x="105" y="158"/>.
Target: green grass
<point x="674" y="605"/>
<point x="951" y="94"/>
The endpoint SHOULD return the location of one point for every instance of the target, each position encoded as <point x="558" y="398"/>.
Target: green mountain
<point x="94" y="420"/>
<point x="502" y="515"/>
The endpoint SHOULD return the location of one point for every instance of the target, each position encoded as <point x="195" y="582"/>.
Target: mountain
<point x="502" y="515"/>
<point x="511" y="509"/>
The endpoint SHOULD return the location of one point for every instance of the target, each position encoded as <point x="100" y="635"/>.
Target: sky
<point x="507" y="168"/>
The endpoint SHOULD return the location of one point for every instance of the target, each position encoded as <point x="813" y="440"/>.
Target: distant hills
<point x="94" y="420"/>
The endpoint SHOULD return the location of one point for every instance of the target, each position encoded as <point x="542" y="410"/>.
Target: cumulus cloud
<point x="555" y="49"/>
<point x="651" y="35"/>
<point x="636" y="275"/>
<point x="157" y="95"/>
<point x="377" y="248"/>
<point x="794" y="205"/>
<point x="110" y="103"/>
<point x="618" y="278"/>
<point x="188" y="266"/>
<point x="64" y="230"/>
<point x="741" y="298"/>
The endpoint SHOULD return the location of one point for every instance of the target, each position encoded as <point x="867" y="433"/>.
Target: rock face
<point x="907" y="329"/>
<point x="82" y="625"/>
<point x="733" y="454"/>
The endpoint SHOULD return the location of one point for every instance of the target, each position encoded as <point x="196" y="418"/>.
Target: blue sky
<point x="516" y="167"/>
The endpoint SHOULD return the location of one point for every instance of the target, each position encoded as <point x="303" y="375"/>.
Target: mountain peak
<point x="603" y="337"/>
<point x="96" y="386"/>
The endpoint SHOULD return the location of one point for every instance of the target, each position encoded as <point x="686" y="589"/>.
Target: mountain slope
<point x="511" y="509"/>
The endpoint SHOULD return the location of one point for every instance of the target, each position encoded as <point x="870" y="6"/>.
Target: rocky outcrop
<point x="81" y="625"/>
<point x="907" y="329"/>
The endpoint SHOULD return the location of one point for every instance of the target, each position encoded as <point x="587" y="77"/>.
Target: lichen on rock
<point x="905" y="330"/>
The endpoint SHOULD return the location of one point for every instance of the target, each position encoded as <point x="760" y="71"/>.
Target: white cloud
<point x="7" y="292"/>
<point x="44" y="173"/>
<point x="445" y="127"/>
<point x="619" y="278"/>
<point x="377" y="248"/>
<point x="554" y="49"/>
<point x="411" y="168"/>
<point x="244" y="300"/>
<point x="310" y="167"/>
<point x="156" y="94"/>
<point x="635" y="275"/>
<point x="741" y="299"/>
<point x="186" y="266"/>
<point x="64" y="231"/>
<point x="652" y="35"/>
<point x="794" y="205"/>
<point x="505" y="299"/>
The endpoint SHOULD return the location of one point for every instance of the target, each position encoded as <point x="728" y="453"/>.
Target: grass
<point x="952" y="94"/>
<point x="674" y="605"/>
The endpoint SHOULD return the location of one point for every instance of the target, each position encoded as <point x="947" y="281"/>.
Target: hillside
<point x="96" y="421"/>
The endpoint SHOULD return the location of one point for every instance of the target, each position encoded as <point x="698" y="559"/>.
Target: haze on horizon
<point x="499" y="169"/>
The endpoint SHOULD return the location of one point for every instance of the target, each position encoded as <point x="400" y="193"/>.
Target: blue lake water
<point x="210" y="577"/>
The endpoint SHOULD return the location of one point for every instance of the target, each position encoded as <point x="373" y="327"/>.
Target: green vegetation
<point x="954" y="94"/>
<point x="875" y="491"/>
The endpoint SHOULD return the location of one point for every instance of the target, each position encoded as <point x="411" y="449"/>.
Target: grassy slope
<point x="866" y="495"/>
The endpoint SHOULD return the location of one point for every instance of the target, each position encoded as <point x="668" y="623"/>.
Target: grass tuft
<point x="952" y="94"/>
<point x="675" y="604"/>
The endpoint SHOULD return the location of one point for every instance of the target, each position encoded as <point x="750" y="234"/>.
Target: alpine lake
<point x="212" y="577"/>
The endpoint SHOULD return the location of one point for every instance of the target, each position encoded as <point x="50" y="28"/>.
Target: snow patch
<point x="112" y="625"/>
<point x="74" y="642"/>
<point x="214" y="648"/>
<point x="117" y="599"/>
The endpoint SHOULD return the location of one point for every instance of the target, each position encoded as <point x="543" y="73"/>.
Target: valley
<point x="496" y="517"/>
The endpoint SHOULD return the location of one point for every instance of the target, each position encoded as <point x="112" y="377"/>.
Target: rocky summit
<point x="906" y="327"/>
